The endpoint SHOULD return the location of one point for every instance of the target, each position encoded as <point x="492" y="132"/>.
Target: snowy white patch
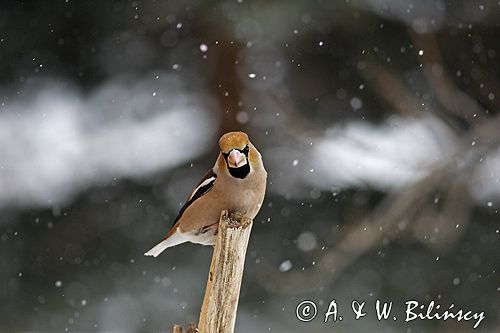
<point x="55" y="142"/>
<point x="387" y="156"/>
<point x="306" y="241"/>
<point x="485" y="181"/>
<point x="285" y="266"/>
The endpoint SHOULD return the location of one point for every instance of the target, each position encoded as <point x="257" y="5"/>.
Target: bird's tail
<point x="174" y="239"/>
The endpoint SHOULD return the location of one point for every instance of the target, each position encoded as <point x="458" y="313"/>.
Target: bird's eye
<point x="245" y="150"/>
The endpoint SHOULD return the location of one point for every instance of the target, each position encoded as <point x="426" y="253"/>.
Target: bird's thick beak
<point x="236" y="159"/>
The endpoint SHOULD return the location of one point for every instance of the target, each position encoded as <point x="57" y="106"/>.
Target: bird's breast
<point x="246" y="196"/>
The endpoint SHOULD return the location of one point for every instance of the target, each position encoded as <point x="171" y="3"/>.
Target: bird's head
<point x="235" y="147"/>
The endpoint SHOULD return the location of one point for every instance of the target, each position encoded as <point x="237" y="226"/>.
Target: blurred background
<point x="379" y="125"/>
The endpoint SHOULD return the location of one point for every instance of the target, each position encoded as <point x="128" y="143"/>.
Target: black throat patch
<point x="240" y="172"/>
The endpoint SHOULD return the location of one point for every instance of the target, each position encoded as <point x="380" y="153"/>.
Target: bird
<point x="236" y="183"/>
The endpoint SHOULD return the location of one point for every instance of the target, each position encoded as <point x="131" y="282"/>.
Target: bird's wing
<point x="205" y="185"/>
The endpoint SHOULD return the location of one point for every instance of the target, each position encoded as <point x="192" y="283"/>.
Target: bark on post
<point x="218" y="312"/>
<point x="179" y="329"/>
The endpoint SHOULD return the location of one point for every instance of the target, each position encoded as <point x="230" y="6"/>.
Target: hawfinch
<point x="236" y="183"/>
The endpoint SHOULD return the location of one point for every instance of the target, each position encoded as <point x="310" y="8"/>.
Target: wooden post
<point x="179" y="329"/>
<point x="218" y="312"/>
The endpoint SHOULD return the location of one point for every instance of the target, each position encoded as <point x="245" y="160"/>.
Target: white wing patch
<point x="204" y="186"/>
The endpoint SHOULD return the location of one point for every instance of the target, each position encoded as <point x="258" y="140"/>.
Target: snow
<point x="306" y="241"/>
<point x="242" y="117"/>
<point x="356" y="103"/>
<point x="57" y="142"/>
<point x="384" y="156"/>
<point x="285" y="266"/>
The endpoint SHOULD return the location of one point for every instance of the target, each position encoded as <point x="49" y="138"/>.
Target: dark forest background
<point x="379" y="125"/>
